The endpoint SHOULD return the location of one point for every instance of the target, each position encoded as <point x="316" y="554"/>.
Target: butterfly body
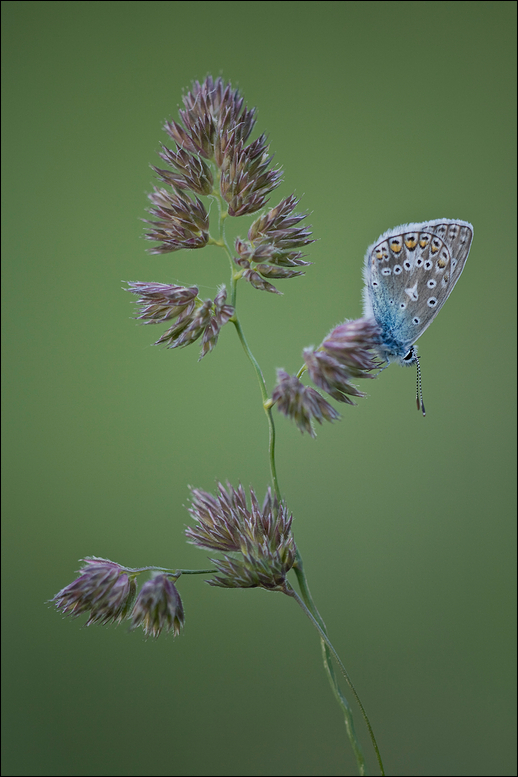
<point x="409" y="273"/>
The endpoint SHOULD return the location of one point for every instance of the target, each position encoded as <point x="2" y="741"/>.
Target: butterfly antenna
<point x="419" y="389"/>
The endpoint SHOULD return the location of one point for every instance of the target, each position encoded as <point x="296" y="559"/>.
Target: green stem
<point x="302" y="370"/>
<point x="336" y="690"/>
<point x="267" y="409"/>
<point x="306" y="603"/>
<point x="328" y="666"/>
<point x="234" y="277"/>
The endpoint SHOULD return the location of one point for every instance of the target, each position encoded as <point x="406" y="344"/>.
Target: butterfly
<point x="409" y="273"/>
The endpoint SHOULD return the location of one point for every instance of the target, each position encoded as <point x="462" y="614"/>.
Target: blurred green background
<point x="380" y="113"/>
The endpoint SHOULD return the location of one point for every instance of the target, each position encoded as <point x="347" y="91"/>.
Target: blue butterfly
<point x="409" y="273"/>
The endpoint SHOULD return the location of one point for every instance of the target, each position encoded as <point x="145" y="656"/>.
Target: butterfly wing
<point x="409" y="273"/>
